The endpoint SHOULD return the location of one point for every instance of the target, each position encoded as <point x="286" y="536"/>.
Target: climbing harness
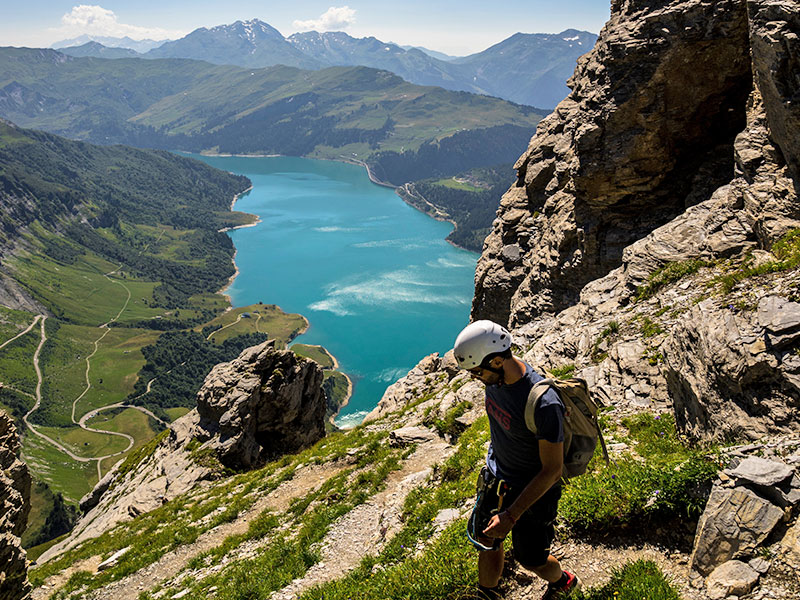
<point x="489" y="485"/>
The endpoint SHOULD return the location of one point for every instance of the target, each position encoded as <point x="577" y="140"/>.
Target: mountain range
<point x="542" y="63"/>
<point x="403" y="131"/>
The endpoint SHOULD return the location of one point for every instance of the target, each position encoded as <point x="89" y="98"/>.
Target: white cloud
<point x="336" y="18"/>
<point x="96" y="20"/>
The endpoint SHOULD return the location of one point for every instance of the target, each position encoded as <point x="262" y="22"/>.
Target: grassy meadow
<point x="62" y="474"/>
<point x="256" y="318"/>
<point x="13" y="322"/>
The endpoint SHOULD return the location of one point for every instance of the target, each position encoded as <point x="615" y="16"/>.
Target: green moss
<point x="649" y="328"/>
<point x="563" y="372"/>
<point x="610" y="331"/>
<point x="668" y="274"/>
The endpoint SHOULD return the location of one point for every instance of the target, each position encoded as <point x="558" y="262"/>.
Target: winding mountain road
<point x="92" y="413"/>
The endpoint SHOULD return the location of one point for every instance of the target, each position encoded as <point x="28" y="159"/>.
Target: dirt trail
<point x="366" y="529"/>
<point x="174" y="562"/>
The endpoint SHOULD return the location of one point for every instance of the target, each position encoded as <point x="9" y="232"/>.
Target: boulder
<point x="411" y="435"/>
<point x="264" y="403"/>
<point x="15" y="493"/>
<point x="733" y="578"/>
<point x="735" y="522"/>
<point x="761" y="471"/>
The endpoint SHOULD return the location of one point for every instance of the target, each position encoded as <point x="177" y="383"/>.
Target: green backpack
<point x="581" y="428"/>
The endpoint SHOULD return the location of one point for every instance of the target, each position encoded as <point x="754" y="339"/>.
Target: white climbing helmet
<point x="478" y="340"/>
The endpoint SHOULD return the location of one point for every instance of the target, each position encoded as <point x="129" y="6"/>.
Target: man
<point x="524" y="469"/>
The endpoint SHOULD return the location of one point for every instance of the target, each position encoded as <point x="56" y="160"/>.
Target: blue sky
<point x="455" y="27"/>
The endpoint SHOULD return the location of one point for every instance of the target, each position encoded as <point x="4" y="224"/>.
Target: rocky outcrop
<point x="15" y="494"/>
<point x="646" y="131"/>
<point x="727" y="363"/>
<point x="730" y="373"/>
<point x="264" y="403"/>
<point x="750" y="503"/>
<point x="423" y="379"/>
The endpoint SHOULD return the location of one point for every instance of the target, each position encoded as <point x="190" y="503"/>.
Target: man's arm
<point x="552" y="457"/>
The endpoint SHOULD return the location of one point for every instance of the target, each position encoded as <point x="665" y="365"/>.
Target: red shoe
<point x="565" y="591"/>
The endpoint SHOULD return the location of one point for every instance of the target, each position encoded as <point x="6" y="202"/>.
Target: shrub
<point x="649" y="328"/>
<point x="563" y="372"/>
<point x="787" y="252"/>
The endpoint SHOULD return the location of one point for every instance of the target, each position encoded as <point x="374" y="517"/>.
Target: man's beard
<point x="494" y="377"/>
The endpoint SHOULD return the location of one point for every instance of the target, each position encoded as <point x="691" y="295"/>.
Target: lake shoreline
<point x="443" y="218"/>
<point x="409" y="271"/>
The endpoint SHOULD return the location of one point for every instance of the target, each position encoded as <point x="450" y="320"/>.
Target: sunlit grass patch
<point x="668" y="274"/>
<point x="637" y="580"/>
<point x="664" y="478"/>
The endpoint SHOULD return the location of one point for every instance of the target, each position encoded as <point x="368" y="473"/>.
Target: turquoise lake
<point x="378" y="284"/>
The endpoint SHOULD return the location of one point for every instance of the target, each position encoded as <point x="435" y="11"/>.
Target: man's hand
<point x="499" y="525"/>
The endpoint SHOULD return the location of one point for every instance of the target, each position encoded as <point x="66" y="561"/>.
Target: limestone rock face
<point x="15" y="494"/>
<point x="775" y="40"/>
<point x="646" y="131"/>
<point x="605" y="199"/>
<point x="263" y="403"/>
<point x="415" y="384"/>
<point x="725" y="378"/>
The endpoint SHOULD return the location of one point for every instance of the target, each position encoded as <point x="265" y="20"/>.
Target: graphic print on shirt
<point x="501" y="416"/>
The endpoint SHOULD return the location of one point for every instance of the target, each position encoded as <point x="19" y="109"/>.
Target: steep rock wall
<point x="646" y="131"/>
<point x="15" y="504"/>
<point x="726" y="363"/>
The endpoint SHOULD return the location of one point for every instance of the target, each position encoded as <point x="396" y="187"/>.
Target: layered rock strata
<point x="15" y="494"/>
<point x="748" y="504"/>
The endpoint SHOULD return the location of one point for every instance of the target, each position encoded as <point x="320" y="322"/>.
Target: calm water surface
<point x="374" y="277"/>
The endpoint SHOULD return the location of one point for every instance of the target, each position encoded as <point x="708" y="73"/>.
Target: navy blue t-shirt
<point x="514" y="450"/>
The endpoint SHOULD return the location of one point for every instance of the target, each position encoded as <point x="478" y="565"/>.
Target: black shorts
<point x="534" y="531"/>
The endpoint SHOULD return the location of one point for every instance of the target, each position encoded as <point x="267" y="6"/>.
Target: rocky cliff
<point x="676" y="150"/>
<point x="647" y="131"/>
<point x="15" y="494"/>
<point x="264" y="403"/>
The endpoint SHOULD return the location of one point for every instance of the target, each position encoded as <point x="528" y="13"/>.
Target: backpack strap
<point x="534" y="397"/>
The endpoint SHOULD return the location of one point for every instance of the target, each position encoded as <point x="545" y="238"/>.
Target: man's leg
<point x="550" y="571"/>
<point x="490" y="567"/>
